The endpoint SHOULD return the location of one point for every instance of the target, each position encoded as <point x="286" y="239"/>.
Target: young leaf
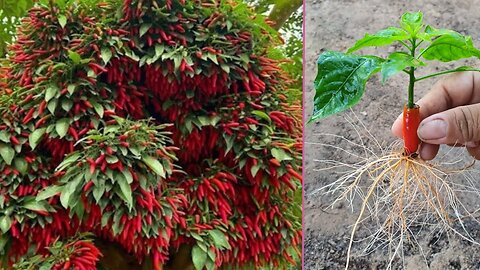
<point x="340" y="81"/>
<point x="449" y="47"/>
<point x="381" y="38"/>
<point x="396" y="63"/>
<point x="412" y="22"/>
<point x="35" y="137"/>
<point x="7" y="153"/>
<point x="199" y="257"/>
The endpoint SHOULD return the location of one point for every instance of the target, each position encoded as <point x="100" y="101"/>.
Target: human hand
<point x="451" y="115"/>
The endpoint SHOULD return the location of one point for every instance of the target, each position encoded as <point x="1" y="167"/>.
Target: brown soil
<point x="335" y="25"/>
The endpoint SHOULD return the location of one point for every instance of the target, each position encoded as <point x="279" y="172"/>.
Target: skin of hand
<point x="450" y="114"/>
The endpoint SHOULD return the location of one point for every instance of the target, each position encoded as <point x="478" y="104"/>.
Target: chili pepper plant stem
<point x="411" y="85"/>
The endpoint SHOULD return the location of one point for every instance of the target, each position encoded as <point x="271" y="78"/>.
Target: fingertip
<point x="428" y="151"/>
<point x="397" y="127"/>
<point x="474" y="152"/>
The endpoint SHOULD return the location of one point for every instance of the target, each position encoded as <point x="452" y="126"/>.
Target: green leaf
<point x="48" y="192"/>
<point x="450" y="47"/>
<point x="412" y="22"/>
<point x="106" y="55"/>
<point x="340" y="81"/>
<point x="62" y="127"/>
<point x="5" y="223"/>
<point x="381" y="38"/>
<point x="75" y="57"/>
<point x="35" y="137"/>
<point x="35" y="206"/>
<point x="155" y="165"/>
<point x="431" y="32"/>
<point x="98" y="108"/>
<point x="126" y="190"/>
<point x="51" y="92"/>
<point x="68" y="190"/>
<point x="71" y="88"/>
<point x="280" y="154"/>
<point x="128" y="175"/>
<point x="396" y="63"/>
<point x="7" y="153"/>
<point x="199" y="257"/>
<point x="254" y="170"/>
<point x="5" y="136"/>
<point x="21" y="165"/>
<point x="62" y="20"/>
<point x="144" y="28"/>
<point x="219" y="239"/>
<point x="68" y="160"/>
<point x="52" y="105"/>
<point x="98" y="191"/>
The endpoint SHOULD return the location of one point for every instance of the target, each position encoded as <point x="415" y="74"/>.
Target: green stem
<point x="444" y="72"/>
<point x="411" y="85"/>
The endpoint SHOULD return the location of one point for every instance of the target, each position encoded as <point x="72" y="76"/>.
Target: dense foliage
<point x="154" y="125"/>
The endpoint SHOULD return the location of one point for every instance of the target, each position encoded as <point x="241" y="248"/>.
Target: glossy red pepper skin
<point x="411" y="121"/>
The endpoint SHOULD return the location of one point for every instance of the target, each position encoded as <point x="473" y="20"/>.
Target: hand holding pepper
<point x="450" y="114"/>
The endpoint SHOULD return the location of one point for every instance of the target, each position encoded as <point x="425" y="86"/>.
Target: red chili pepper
<point x="14" y="140"/>
<point x="411" y="121"/>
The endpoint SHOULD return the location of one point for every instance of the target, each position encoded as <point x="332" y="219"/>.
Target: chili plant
<point x="403" y="191"/>
<point x="161" y="130"/>
<point x="342" y="77"/>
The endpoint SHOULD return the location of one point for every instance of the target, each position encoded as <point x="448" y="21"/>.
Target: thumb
<point x="457" y="125"/>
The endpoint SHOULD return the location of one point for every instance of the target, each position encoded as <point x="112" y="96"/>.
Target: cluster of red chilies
<point x="218" y="98"/>
<point x="84" y="256"/>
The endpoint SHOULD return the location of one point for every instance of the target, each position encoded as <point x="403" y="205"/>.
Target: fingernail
<point x="432" y="130"/>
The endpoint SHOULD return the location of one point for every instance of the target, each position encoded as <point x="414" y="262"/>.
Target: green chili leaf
<point x="219" y="239"/>
<point x="340" y="81"/>
<point x="62" y="20"/>
<point x="62" y="127"/>
<point x="155" y="165"/>
<point x="449" y="47"/>
<point x="7" y="153"/>
<point x="397" y="62"/>
<point x="381" y="38"/>
<point x="412" y="22"/>
<point x="35" y="137"/>
<point x="5" y="223"/>
<point x="48" y="192"/>
<point x="199" y="257"/>
<point x="75" y="57"/>
<point x="106" y="55"/>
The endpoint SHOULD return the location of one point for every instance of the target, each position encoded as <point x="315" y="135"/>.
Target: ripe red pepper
<point x="411" y="121"/>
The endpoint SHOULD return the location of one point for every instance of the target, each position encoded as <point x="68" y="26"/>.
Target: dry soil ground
<point x="335" y="25"/>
